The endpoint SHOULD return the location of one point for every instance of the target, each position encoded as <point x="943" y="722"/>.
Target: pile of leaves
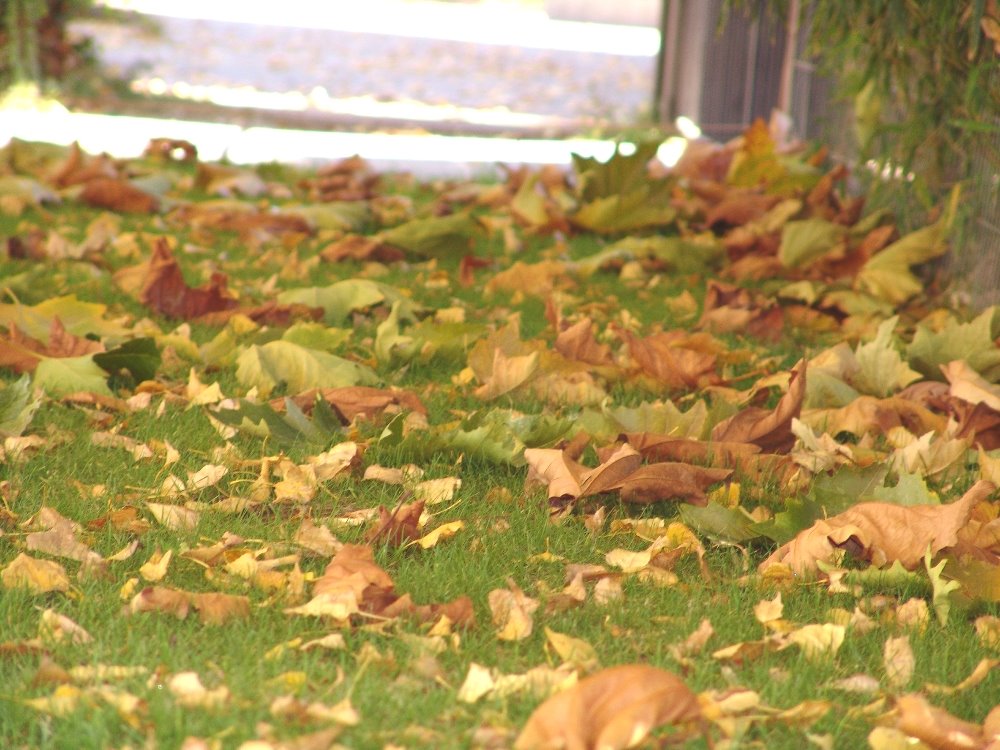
<point x="253" y="400"/>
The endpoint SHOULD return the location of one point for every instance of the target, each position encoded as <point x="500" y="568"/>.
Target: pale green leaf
<point x="971" y="342"/>
<point x="297" y="368"/>
<point x="881" y="370"/>
<point x="803" y="242"/>
<point x="17" y="407"/>
<point x="65" y="375"/>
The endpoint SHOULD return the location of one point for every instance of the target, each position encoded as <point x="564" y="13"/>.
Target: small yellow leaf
<point x="627" y="560"/>
<point x="478" y="682"/>
<point x="444" y="531"/>
<point x="155" y="568"/>
<point x="575" y="651"/>
<point x="818" y="641"/>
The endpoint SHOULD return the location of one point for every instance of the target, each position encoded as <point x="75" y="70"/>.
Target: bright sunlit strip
<point x="482" y="24"/>
<point x="688" y="127"/>
<point x="319" y="100"/>
<point x="671" y="150"/>
<point x="425" y="155"/>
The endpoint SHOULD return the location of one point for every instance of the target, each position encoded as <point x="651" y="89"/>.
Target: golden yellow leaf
<point x="574" y="651"/>
<point x="39" y="576"/>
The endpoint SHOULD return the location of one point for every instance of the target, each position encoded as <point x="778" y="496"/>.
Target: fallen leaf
<point x="615" y="708"/>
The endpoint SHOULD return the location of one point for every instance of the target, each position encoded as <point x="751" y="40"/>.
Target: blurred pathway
<point x="498" y="66"/>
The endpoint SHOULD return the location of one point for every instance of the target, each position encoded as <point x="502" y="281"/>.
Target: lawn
<point x="326" y="458"/>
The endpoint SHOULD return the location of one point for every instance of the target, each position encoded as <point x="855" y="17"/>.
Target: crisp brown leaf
<point x="934" y="726"/>
<point x="675" y="358"/>
<point x="398" y="526"/>
<point x="165" y="291"/>
<point x="881" y="533"/>
<point x="118" y="195"/>
<point x="577" y="342"/>
<point x="611" y="710"/>
<point x="671" y="481"/>
<point x="771" y="430"/>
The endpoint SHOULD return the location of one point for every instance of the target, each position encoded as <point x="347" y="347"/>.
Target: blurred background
<point x="908" y="94"/>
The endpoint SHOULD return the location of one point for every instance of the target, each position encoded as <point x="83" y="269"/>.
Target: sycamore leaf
<point x="898" y="662"/>
<point x="435" y="237"/>
<point x="38" y="576"/>
<point x="343" y="297"/>
<point x="881" y="370"/>
<point x="880" y="533"/>
<point x="139" y="356"/>
<point x="971" y="342"/>
<point x="17" y="407"/>
<point x="297" y="368"/>
<point x="512" y="610"/>
<point x="803" y="242"/>
<point x="65" y="375"/>
<point x="771" y="430"/>
<point x="286" y="429"/>
<point x="613" y="709"/>
<point x="888" y="273"/>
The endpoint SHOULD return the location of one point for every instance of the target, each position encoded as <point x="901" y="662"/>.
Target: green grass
<point x="402" y="682"/>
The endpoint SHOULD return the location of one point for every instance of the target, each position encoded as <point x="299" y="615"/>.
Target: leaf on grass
<point x="297" y="368"/>
<point x="771" y="430"/>
<point x="164" y="290"/>
<point x="139" y="356"/>
<point x="888" y="274"/>
<point x="574" y="651"/>
<point x="613" y="709"/>
<point x="61" y="377"/>
<point x="972" y="342"/>
<point x="434" y="237"/>
<point x="934" y="726"/>
<point x="881" y="533"/>
<point x="898" y="662"/>
<point x="818" y="641"/>
<point x="675" y="358"/>
<point x="118" y="195"/>
<point x="671" y="481"/>
<point x="17" y="407"/>
<point x="803" y="242"/>
<point x="512" y="611"/>
<point x="38" y="576"/>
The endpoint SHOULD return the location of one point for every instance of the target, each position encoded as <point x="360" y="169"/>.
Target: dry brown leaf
<point x="398" y="526"/>
<point x="771" y="430"/>
<point x="161" y="599"/>
<point x="164" y="290"/>
<point x="881" y="533"/>
<point x="613" y="709"/>
<point x="118" y="195"/>
<point x="217" y="608"/>
<point x="676" y="358"/>
<point x="671" y="481"/>
<point x="934" y="726"/>
<point x="577" y="342"/>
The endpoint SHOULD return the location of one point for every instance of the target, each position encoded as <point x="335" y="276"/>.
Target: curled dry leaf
<point x="934" y="726"/>
<point x="164" y="290"/>
<point x="881" y="533"/>
<point x="612" y="709"/>
<point x="118" y="195"/>
<point x="771" y="430"/>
